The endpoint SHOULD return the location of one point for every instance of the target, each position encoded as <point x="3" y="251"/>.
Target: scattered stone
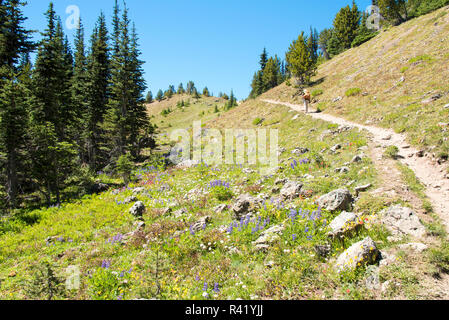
<point x="342" y="170"/>
<point x="417" y="247"/>
<point x="363" y="188"/>
<point x="356" y="159"/>
<point x="139" y="190"/>
<point x="323" y="250"/>
<point x="420" y="153"/>
<point x="291" y="190"/>
<point x="130" y="200"/>
<point x="179" y="213"/>
<point x="220" y="208"/>
<point x="335" y="148"/>
<point x="433" y="98"/>
<point x="300" y="151"/>
<point x="280" y="181"/>
<point x="138" y="209"/>
<point x="337" y="200"/>
<point x="248" y="171"/>
<point x="446" y="106"/>
<point x="268" y="237"/>
<point x="200" y="224"/>
<point x="187" y="164"/>
<point x="386" y="259"/>
<point x="372" y="279"/>
<point x="99" y="187"/>
<point x="242" y="206"/>
<point x="282" y="150"/>
<point x="360" y="254"/>
<point x="344" y="224"/>
<point x="402" y="221"/>
<point x="337" y="99"/>
<point x="387" y="138"/>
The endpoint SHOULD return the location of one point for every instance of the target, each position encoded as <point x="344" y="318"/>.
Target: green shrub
<point x="362" y="38"/>
<point x="124" y="167"/>
<point x="108" y="285"/>
<point x="353" y="92"/>
<point x="391" y="152"/>
<point x="257" y="121"/>
<point x="440" y="257"/>
<point x="317" y="92"/>
<point x="404" y="69"/>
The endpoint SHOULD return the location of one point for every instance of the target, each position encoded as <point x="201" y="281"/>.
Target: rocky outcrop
<point x="344" y="224"/>
<point x="402" y="221"/>
<point x="291" y="190"/>
<point x="138" y="209"/>
<point x="268" y="237"/>
<point x="360" y="254"/>
<point x="337" y="200"/>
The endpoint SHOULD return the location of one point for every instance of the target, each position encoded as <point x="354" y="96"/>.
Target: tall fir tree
<point x="97" y="95"/>
<point x="346" y="25"/>
<point x="299" y="60"/>
<point x="14" y="98"/>
<point x="51" y="115"/>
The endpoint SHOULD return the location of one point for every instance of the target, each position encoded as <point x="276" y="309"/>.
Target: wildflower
<point x="216" y="288"/>
<point x="205" y="286"/>
<point x="106" y="264"/>
<point x="294" y="237"/>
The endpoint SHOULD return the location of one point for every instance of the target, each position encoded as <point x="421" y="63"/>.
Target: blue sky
<point x="214" y="43"/>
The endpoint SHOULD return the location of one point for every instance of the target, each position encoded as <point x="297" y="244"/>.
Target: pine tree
<point x="232" y="101"/>
<point x="14" y="97"/>
<point x="181" y="89"/>
<point x="159" y="96"/>
<point x="395" y="11"/>
<point x="323" y="42"/>
<point x="190" y="87"/>
<point x="299" y="60"/>
<point x="97" y="95"/>
<point x="206" y="92"/>
<point x="346" y="24"/>
<point x="271" y="74"/>
<point x="263" y="59"/>
<point x="51" y="115"/>
<point x="313" y="45"/>
<point x="149" y="97"/>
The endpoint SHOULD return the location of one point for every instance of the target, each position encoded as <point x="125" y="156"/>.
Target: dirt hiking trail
<point x="431" y="176"/>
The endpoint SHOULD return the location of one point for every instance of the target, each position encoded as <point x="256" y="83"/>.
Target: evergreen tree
<point x="271" y="76"/>
<point x="190" y="87"/>
<point x="395" y="11"/>
<point x="97" y="95"/>
<point x="313" y="45"/>
<point x="346" y="24"/>
<point x="206" y="92"/>
<point x="52" y="115"/>
<point x="181" y="89"/>
<point x="149" y="97"/>
<point x="232" y="102"/>
<point x="14" y="97"/>
<point x="160" y="96"/>
<point x="323" y="42"/>
<point x="263" y="59"/>
<point x="299" y="60"/>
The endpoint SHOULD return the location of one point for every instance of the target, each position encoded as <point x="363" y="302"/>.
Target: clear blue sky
<point x="214" y="43"/>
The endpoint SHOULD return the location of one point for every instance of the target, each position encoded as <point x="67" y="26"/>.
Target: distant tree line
<point x="170" y="92"/>
<point x="350" y="29"/>
<point x="69" y="114"/>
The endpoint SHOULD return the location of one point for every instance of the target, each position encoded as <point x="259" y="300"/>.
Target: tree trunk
<point x="12" y="181"/>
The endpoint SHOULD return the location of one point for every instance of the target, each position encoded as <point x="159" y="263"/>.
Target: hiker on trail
<point x="306" y="98"/>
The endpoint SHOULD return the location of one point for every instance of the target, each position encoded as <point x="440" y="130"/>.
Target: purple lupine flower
<point x="294" y="237"/>
<point x="205" y="286"/>
<point x="106" y="264"/>
<point x="216" y="288"/>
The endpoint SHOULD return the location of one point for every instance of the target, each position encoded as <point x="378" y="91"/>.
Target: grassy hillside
<point x="387" y="81"/>
<point x="189" y="244"/>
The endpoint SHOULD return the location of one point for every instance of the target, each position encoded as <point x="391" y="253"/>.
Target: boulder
<point x="139" y="190"/>
<point x="356" y="159"/>
<point x="335" y="148"/>
<point x="337" y="200"/>
<point x="187" y="164"/>
<point x="200" y="224"/>
<point x="300" y="151"/>
<point x="291" y="190"/>
<point x="360" y="254"/>
<point x="130" y="200"/>
<point x="344" y="224"/>
<point x="138" y="209"/>
<point x="402" y="221"/>
<point x="268" y="237"/>
<point x="362" y="188"/>
<point x="220" y="208"/>
<point x="242" y="206"/>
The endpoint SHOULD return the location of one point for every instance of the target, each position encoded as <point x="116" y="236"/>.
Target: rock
<point x="139" y="190"/>
<point x="220" y="208"/>
<point x="268" y="237"/>
<point x="337" y="200"/>
<point x="130" y="200"/>
<point x="356" y="159"/>
<point x="446" y="106"/>
<point x="99" y="187"/>
<point x="386" y="259"/>
<point x="179" y="213"/>
<point x="337" y="99"/>
<point x="248" y="171"/>
<point x="187" y="164"/>
<point x="291" y="190"/>
<point x="363" y="188"/>
<point x="342" y="170"/>
<point x="200" y="224"/>
<point x="417" y="247"/>
<point x="242" y="206"/>
<point x="300" y="151"/>
<point x="344" y="224"/>
<point x="280" y="181"/>
<point x="433" y="98"/>
<point x="372" y="279"/>
<point x="402" y="221"/>
<point x="335" y="148"/>
<point x="282" y="150"/>
<point x="360" y="254"/>
<point x="323" y="250"/>
<point x="420" y="153"/>
<point x="138" y="209"/>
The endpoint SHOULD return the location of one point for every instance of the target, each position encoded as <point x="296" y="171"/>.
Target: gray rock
<point x="187" y="164"/>
<point x="130" y="200"/>
<point x="360" y="254"/>
<point x="446" y="106"/>
<point x="323" y="250"/>
<point x="417" y="247"/>
<point x="337" y="200"/>
<point x="401" y="221"/>
<point x="291" y="190"/>
<point x="342" y="170"/>
<point x="139" y="190"/>
<point x="268" y="237"/>
<point x="138" y="209"/>
<point x="179" y="213"/>
<point x="335" y="148"/>
<point x="200" y="224"/>
<point x="433" y="98"/>
<point x="300" y="151"/>
<point x="362" y="188"/>
<point x="242" y="206"/>
<point x="220" y="208"/>
<point x="356" y="159"/>
<point x="344" y="224"/>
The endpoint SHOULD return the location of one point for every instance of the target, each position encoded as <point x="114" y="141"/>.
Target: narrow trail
<point x="431" y="176"/>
